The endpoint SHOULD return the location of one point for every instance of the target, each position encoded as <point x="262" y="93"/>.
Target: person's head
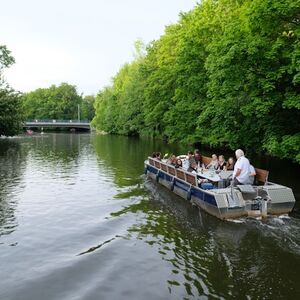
<point x="230" y="160"/>
<point x="190" y="154"/>
<point x="197" y="154"/>
<point x="214" y="157"/>
<point x="221" y="158"/>
<point x="158" y="154"/>
<point x="239" y="153"/>
<point x="194" y="165"/>
<point x="179" y="162"/>
<point x="173" y="158"/>
<point x="154" y="155"/>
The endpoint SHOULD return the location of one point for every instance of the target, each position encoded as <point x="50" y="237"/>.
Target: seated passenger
<point x="198" y="158"/>
<point x="252" y="174"/>
<point x="241" y="169"/>
<point x="188" y="160"/>
<point x="178" y="163"/>
<point x="214" y="164"/>
<point x="193" y="168"/>
<point x="230" y="164"/>
<point x="158" y="156"/>
<point x="222" y="163"/>
<point x="191" y="157"/>
<point x="154" y="155"/>
<point x="172" y="160"/>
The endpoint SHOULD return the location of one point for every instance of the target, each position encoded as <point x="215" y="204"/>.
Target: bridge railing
<point x="56" y="121"/>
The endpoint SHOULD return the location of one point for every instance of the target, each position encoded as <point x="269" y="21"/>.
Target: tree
<point x="10" y="106"/>
<point x="87" y="107"/>
<point x="227" y="74"/>
<point x="55" y="102"/>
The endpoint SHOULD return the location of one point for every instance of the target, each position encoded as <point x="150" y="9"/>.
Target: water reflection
<point x="12" y="166"/>
<point x="58" y="148"/>
<point x="54" y="156"/>
<point x="124" y="156"/>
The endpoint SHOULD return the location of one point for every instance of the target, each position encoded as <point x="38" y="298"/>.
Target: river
<point x="79" y="220"/>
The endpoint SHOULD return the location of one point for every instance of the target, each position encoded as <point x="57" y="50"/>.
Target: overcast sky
<point x="82" y="42"/>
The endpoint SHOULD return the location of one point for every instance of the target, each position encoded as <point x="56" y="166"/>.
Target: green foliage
<point x="119" y="107"/>
<point x="87" y="109"/>
<point x="6" y="59"/>
<point x="227" y="74"/>
<point x="11" y="116"/>
<point x="55" y="102"/>
<point x="10" y="105"/>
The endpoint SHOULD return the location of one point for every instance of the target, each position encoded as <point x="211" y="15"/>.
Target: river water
<point x="79" y="220"/>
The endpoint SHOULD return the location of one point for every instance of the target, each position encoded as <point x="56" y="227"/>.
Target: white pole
<point x="78" y="112"/>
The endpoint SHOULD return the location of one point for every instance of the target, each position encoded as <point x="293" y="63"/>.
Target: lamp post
<point x="78" y="106"/>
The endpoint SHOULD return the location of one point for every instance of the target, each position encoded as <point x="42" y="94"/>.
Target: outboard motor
<point x="260" y="204"/>
<point x="256" y="204"/>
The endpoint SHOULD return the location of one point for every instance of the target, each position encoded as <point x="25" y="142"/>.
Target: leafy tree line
<point x="10" y="101"/>
<point x="226" y="74"/>
<point x="57" y="102"/>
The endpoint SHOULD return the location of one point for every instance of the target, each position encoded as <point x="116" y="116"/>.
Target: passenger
<point x="198" y="158"/>
<point x="158" y="155"/>
<point x="154" y="155"/>
<point x="214" y="164"/>
<point x="222" y="163"/>
<point x="193" y="168"/>
<point x="230" y="164"/>
<point x="188" y="161"/>
<point x="241" y="169"/>
<point x="172" y="160"/>
<point x="191" y="157"/>
<point x="178" y="163"/>
<point x="252" y="174"/>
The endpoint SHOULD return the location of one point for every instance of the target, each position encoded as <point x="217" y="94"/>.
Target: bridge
<point x="72" y="124"/>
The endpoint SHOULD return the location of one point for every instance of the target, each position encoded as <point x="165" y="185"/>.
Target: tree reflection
<point x="124" y="156"/>
<point x="12" y="166"/>
<point x="58" y="148"/>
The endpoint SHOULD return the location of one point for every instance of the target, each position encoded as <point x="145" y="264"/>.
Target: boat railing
<point x="181" y="174"/>
<point x="164" y="167"/>
<point x="191" y="178"/>
<point x="172" y="170"/>
<point x="157" y="164"/>
<point x="151" y="161"/>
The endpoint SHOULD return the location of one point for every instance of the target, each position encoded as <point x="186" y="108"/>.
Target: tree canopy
<point x="226" y="74"/>
<point x="10" y="104"/>
<point x="57" y="102"/>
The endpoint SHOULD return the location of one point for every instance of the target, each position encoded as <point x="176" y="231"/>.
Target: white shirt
<point x="244" y="165"/>
<point x="185" y="164"/>
<point x="251" y="177"/>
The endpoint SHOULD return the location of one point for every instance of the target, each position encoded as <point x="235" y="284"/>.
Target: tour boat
<point x="259" y="200"/>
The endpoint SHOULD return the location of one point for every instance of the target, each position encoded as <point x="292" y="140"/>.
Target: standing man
<point x="241" y="169"/>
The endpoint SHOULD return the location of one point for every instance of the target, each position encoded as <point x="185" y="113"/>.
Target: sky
<point x="81" y="42"/>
